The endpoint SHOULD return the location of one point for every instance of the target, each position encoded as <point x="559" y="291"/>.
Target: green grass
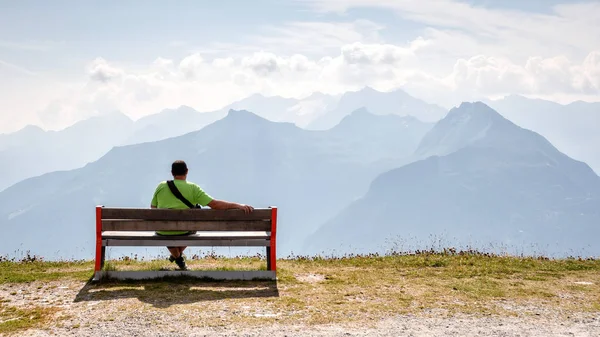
<point x="316" y="290"/>
<point x="375" y="286"/>
<point x="20" y="272"/>
<point x="13" y="319"/>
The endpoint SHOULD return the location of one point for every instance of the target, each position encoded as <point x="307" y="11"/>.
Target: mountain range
<point x="368" y="168"/>
<point x="310" y="175"/>
<point x="572" y="128"/>
<point x="40" y="152"/>
<point x="482" y="182"/>
<point x="32" y="151"/>
<point x="395" y="102"/>
<point x="169" y="123"/>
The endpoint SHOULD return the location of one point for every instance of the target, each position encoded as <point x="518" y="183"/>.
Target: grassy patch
<point x="314" y="290"/>
<point x="479" y="288"/>
<point x="19" y="272"/>
<point x="209" y="263"/>
<point x="13" y="319"/>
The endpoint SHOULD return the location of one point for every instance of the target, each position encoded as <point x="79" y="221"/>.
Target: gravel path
<point x="400" y="326"/>
<point x="127" y="316"/>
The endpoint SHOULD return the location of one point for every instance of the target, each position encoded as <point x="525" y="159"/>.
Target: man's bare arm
<point x="222" y="204"/>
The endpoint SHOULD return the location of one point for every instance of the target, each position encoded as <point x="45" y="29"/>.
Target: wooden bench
<point x="137" y="226"/>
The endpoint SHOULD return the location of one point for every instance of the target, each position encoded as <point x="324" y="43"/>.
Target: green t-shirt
<point x="163" y="198"/>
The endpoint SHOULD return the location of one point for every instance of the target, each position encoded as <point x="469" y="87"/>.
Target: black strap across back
<point x="179" y="196"/>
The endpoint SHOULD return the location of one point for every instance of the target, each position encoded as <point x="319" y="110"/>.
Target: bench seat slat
<point x="256" y="239"/>
<point x="147" y="235"/>
<point x="187" y="243"/>
<point x="205" y="214"/>
<point x="144" y="225"/>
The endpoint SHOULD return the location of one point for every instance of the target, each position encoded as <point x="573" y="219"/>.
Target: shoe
<point x="171" y="258"/>
<point x="181" y="263"/>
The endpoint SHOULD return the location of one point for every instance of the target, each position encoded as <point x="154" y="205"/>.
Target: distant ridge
<point x="382" y="103"/>
<point x="33" y="151"/>
<point x="572" y="128"/>
<point x="482" y="179"/>
<point x="243" y="157"/>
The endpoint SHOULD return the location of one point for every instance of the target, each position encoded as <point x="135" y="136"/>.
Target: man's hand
<point x="246" y="208"/>
<point x="222" y="204"/>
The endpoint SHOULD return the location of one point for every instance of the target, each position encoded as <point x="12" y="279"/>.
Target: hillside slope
<point x="384" y="103"/>
<point x="484" y="181"/>
<point x="572" y="128"/>
<point x="309" y="175"/>
<point x="33" y="151"/>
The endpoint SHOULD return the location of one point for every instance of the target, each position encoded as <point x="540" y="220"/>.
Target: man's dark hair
<point x="179" y="168"/>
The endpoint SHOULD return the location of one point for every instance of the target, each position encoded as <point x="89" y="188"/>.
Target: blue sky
<point x="137" y="31"/>
<point x="62" y="61"/>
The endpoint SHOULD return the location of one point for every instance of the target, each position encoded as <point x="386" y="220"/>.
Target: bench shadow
<point x="165" y="292"/>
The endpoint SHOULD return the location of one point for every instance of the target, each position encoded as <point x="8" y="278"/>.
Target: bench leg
<point x="100" y="252"/>
<point x="271" y="258"/>
<point x="271" y="250"/>
<point x="103" y="255"/>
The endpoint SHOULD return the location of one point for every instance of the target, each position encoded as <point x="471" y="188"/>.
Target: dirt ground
<point x="116" y="312"/>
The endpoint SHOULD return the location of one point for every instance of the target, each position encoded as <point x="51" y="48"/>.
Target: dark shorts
<point x="188" y="233"/>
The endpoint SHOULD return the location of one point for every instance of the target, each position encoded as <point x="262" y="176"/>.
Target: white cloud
<point x="162" y="63"/>
<point x="487" y="76"/>
<point x="100" y="70"/>
<point x="591" y="69"/>
<point x="190" y="65"/>
<point x="493" y="51"/>
<point x="426" y="67"/>
<point x="223" y="63"/>
<point x="209" y="84"/>
<point x="481" y="74"/>
<point x="381" y="54"/>
<point x="569" y="29"/>
<point x="262" y="63"/>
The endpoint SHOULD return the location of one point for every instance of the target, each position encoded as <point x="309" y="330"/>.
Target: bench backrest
<point x="152" y="219"/>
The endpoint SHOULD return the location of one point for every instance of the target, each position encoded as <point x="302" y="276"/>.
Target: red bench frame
<point x="102" y="243"/>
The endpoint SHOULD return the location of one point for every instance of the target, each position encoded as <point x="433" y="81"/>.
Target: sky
<point x="63" y="61"/>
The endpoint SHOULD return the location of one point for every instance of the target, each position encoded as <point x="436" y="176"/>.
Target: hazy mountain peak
<point x="317" y="95"/>
<point x="369" y="90"/>
<point x="396" y="102"/>
<point x="115" y="118"/>
<point x="364" y="116"/>
<point x="372" y="92"/>
<point x="480" y="178"/>
<point x="363" y="127"/>
<point x="185" y="107"/>
<point x="473" y="109"/>
<point x="182" y="109"/>
<point x="26" y="135"/>
<point x="30" y="130"/>
<point x="462" y="126"/>
<point x="116" y="115"/>
<point x="477" y="127"/>
<point x="257" y="99"/>
<point x="361" y="112"/>
<point x="366" y="92"/>
<point x="515" y="97"/>
<point x="243" y="114"/>
<point x="361" y="117"/>
<point x="245" y="119"/>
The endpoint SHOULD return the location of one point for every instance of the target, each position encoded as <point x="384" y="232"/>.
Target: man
<point x="164" y="198"/>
